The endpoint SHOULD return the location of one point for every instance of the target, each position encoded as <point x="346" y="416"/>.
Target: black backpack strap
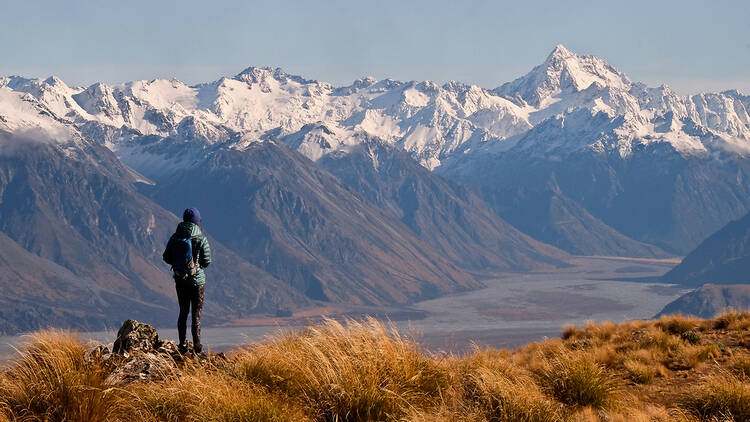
<point x="196" y="251"/>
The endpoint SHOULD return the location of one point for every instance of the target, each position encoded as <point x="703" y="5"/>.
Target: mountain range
<point x="377" y="193"/>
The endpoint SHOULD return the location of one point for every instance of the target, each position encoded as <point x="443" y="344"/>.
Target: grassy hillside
<point x="674" y="368"/>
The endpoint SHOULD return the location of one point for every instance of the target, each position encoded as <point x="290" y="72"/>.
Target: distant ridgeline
<point x="722" y="259"/>
<point x="376" y="193"/>
<point x="710" y="300"/>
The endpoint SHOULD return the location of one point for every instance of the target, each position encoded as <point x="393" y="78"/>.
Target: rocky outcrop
<point x="138" y="354"/>
<point x="135" y="336"/>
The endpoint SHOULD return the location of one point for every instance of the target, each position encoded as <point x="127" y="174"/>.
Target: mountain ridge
<point x="262" y="99"/>
<point x="722" y="258"/>
<point x="572" y="110"/>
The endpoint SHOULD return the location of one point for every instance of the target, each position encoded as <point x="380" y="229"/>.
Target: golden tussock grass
<point x="719" y="397"/>
<point x="741" y="367"/>
<point x="367" y="371"/>
<point x="199" y="395"/>
<point x="678" y="324"/>
<point x="640" y="372"/>
<point x="732" y="321"/>
<point x="639" y="413"/>
<point x="357" y="371"/>
<point x="53" y="380"/>
<point x="512" y="398"/>
<point x="575" y="379"/>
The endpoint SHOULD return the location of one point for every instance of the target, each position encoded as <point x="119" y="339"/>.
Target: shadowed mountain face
<point x="37" y="293"/>
<point x="723" y="258"/>
<point x="711" y="300"/>
<point x="594" y="203"/>
<point x="554" y="218"/>
<point x="449" y="217"/>
<point x="285" y="214"/>
<point x="81" y="248"/>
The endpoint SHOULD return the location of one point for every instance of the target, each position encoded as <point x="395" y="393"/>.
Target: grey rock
<point x="134" y="335"/>
<point x="143" y="367"/>
<point x="140" y="355"/>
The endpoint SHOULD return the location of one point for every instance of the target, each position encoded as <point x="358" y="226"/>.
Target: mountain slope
<point x="38" y="293"/>
<point x="84" y="247"/>
<point x="657" y="197"/>
<point x="285" y="214"/>
<point x="552" y="217"/>
<point x="723" y="258"/>
<point x="450" y="218"/>
<point x="708" y="301"/>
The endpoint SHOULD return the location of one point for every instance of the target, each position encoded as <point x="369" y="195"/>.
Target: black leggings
<point x="190" y="295"/>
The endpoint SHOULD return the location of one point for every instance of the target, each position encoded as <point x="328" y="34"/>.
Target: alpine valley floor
<point x="512" y="310"/>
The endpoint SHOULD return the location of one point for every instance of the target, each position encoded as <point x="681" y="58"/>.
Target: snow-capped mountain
<point x="574" y="154"/>
<point x="430" y="121"/>
<point x="569" y="107"/>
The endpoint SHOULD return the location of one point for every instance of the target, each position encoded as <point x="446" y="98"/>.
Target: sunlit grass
<point x="53" y="380"/>
<point x="719" y="397"/>
<point x="367" y="371"/>
<point x="354" y="371"/>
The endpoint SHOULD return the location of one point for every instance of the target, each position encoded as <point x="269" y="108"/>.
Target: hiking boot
<point x="182" y="348"/>
<point x="197" y="348"/>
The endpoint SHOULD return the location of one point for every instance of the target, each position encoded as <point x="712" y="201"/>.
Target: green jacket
<point x="201" y="249"/>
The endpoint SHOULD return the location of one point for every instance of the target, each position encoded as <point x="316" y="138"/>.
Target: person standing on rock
<point x="188" y="253"/>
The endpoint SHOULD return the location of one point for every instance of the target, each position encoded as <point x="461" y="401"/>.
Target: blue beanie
<point x="192" y="215"/>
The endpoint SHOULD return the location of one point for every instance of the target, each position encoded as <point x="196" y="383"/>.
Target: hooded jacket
<point x="201" y="250"/>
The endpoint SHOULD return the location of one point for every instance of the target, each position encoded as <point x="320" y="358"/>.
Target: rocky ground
<point x="139" y="354"/>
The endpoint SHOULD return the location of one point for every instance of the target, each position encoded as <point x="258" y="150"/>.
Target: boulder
<point x="134" y="336"/>
<point x="143" y="367"/>
<point x="138" y="354"/>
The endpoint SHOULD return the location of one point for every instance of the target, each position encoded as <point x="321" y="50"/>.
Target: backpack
<point x="181" y="257"/>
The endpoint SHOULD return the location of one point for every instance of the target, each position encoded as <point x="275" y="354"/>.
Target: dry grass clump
<point x="640" y="372"/>
<point x="689" y="357"/>
<point x="199" y="395"/>
<point x="678" y="324"/>
<point x="518" y="398"/>
<point x="576" y="380"/>
<point x="741" y="368"/>
<point x="502" y="390"/>
<point x="732" y="321"/>
<point x="53" y="380"/>
<point x="654" y="337"/>
<point x="719" y="397"/>
<point x="358" y="371"/>
<point x="637" y="412"/>
<point x="446" y="414"/>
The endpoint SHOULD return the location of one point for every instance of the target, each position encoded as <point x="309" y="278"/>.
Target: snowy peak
<point x="561" y="52"/>
<point x="267" y="76"/>
<point x="429" y="121"/>
<point x="563" y="72"/>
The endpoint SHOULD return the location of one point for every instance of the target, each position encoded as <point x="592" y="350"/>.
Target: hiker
<point x="188" y="253"/>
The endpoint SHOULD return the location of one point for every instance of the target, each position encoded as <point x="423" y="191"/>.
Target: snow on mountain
<point x="24" y="119"/>
<point x="562" y="73"/>
<point x="608" y="113"/>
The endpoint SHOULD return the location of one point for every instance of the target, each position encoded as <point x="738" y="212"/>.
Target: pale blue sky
<point x="690" y="45"/>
